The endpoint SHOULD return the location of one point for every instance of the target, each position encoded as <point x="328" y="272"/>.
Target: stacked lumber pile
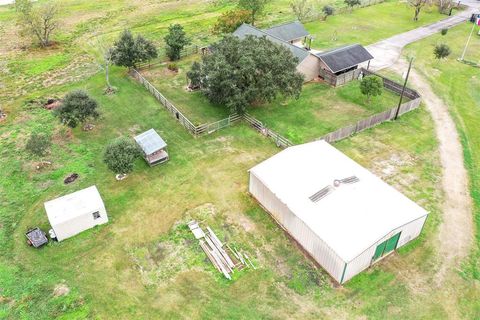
<point x="221" y="255"/>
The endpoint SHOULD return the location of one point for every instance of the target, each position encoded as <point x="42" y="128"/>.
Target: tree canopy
<point x="255" y="7"/>
<point x="229" y="21"/>
<point x="120" y="155"/>
<point x="38" y="21"/>
<point x="175" y="40"/>
<point x="77" y="107"/>
<point x="239" y="72"/>
<point x="371" y="86"/>
<point x="128" y="51"/>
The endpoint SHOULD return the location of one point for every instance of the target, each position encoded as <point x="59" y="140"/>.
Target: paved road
<point x="387" y="52"/>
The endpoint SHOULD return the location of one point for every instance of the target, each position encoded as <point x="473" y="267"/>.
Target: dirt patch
<point x="390" y="167"/>
<point x="61" y="290"/>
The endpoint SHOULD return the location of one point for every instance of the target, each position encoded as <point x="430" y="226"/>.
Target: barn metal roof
<point x="288" y="31"/>
<point x="150" y="141"/>
<point x="359" y="208"/>
<point x="343" y="58"/>
<point x="246" y="29"/>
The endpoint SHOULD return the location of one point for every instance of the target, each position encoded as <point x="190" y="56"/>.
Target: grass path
<point x="455" y="234"/>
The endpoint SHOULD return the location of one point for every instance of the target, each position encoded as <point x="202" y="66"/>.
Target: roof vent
<point x="349" y="180"/>
<point x="321" y="194"/>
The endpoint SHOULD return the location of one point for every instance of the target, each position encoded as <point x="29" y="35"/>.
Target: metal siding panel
<point x="297" y="229"/>
<point x="409" y="232"/>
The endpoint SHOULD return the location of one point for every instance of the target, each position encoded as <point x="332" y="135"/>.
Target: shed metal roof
<point x="352" y="216"/>
<point x="73" y="205"/>
<point x="288" y="31"/>
<point x="150" y="141"/>
<point x="343" y="58"/>
<point x="246" y="29"/>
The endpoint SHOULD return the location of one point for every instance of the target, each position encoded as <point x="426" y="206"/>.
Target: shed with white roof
<point x="76" y="212"/>
<point x="344" y="216"/>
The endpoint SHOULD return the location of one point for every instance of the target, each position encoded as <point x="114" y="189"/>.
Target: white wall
<point x="78" y="224"/>
<point x="315" y="246"/>
<point x="409" y="232"/>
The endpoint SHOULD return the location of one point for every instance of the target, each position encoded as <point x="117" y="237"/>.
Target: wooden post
<point x="403" y="89"/>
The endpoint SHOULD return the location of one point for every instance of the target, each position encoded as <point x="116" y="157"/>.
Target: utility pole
<point x="403" y="89"/>
<point x="468" y="40"/>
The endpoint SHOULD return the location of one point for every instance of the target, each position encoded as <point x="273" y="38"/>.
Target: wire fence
<point x="162" y="57"/>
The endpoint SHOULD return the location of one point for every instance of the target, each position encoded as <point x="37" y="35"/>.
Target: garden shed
<point x="154" y="148"/>
<point x="76" y="212"/>
<point x="344" y="216"/>
<point x="343" y="63"/>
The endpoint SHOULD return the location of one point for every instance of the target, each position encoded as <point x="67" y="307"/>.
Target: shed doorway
<point x="386" y="247"/>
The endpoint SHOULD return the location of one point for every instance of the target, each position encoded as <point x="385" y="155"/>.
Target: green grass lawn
<point x="321" y="109"/>
<point x="144" y="264"/>
<point x="173" y="85"/>
<point x="459" y="85"/>
<point x="368" y="25"/>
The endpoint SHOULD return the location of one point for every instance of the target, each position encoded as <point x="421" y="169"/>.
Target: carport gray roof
<point x="344" y="57"/>
<point x="246" y="29"/>
<point x="150" y="141"/>
<point x="288" y="31"/>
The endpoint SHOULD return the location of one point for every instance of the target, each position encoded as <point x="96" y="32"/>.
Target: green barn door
<point x="392" y="243"/>
<point x="386" y="246"/>
<point x="379" y="250"/>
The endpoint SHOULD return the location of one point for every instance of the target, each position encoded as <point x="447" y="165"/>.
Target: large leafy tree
<point x="239" y="72"/>
<point x="175" y="40"/>
<point x="77" y="107"/>
<point x="120" y="155"/>
<point x="128" y="51"/>
<point x="255" y="7"/>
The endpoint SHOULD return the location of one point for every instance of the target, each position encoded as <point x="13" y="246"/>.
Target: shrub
<point x="172" y="67"/>
<point x="444" y="31"/>
<point x="441" y="51"/>
<point x="120" y="155"/>
<point x="77" y="107"/>
<point x="371" y="87"/>
<point x="328" y="11"/>
<point x="38" y="144"/>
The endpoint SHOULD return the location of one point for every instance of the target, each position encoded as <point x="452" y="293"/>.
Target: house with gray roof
<point x="293" y="36"/>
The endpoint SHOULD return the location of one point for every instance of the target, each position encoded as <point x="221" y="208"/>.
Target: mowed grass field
<point x="458" y="85"/>
<point x="145" y="264"/>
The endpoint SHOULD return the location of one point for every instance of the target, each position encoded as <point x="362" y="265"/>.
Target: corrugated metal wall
<point x="315" y="246"/>
<point x="409" y="232"/>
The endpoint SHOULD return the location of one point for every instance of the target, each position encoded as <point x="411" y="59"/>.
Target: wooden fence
<point x="279" y="140"/>
<point x="196" y="131"/>
<point x="413" y="103"/>
<point x="162" y="57"/>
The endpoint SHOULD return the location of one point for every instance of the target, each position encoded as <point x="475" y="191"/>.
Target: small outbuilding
<point x="154" y="148"/>
<point x="344" y="216"/>
<point x="76" y="212"/>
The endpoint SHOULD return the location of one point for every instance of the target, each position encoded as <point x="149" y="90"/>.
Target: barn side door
<point x="386" y="247"/>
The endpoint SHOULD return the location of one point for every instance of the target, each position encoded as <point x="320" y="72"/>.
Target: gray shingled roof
<point x="246" y="29"/>
<point x="150" y="141"/>
<point x="344" y="57"/>
<point x="288" y="31"/>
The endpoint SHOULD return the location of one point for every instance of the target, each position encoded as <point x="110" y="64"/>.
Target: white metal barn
<point x="344" y="216"/>
<point x="76" y="212"/>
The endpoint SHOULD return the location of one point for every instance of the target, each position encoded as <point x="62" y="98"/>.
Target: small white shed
<point x="76" y="212"/>
<point x="344" y="216"/>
